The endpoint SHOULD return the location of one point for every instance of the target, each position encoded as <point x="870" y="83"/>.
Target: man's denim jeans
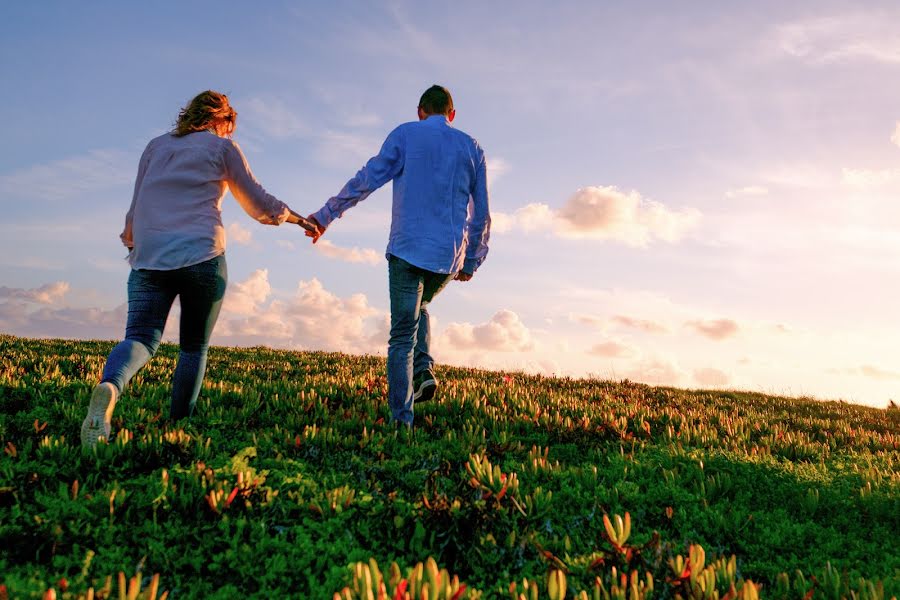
<point x="411" y="289"/>
<point x="201" y="288"/>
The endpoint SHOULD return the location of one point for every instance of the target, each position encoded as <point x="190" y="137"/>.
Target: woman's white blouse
<point x="175" y="219"/>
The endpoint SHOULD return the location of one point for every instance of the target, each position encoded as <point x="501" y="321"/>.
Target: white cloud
<point x="605" y="213"/>
<point x="505" y="332"/>
<point x="800" y="175"/>
<point x="530" y="217"/>
<point x="496" y="168"/>
<point x="19" y="317"/>
<point x="73" y="176"/>
<point x="711" y="377"/>
<point x="612" y="349"/>
<point x="750" y="190"/>
<point x="286" y="244"/>
<point x="895" y="137"/>
<point x="718" y="329"/>
<point x="656" y="371"/>
<point x="245" y="297"/>
<point x="869" y="177"/>
<point x="238" y="234"/>
<point x="310" y="318"/>
<point x="352" y="255"/>
<point x="51" y="293"/>
<point x="502" y="222"/>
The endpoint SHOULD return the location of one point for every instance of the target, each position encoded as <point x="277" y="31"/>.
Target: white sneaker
<point x="97" y="422"/>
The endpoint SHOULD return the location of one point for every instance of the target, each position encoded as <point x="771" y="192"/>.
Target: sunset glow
<point x="700" y="198"/>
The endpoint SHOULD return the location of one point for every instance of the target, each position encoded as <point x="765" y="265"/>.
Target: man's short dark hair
<point x="436" y="101"/>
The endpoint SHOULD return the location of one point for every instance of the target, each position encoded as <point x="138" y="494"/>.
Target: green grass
<point x="324" y="481"/>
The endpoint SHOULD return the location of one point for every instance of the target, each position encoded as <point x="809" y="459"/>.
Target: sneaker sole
<point x="426" y="391"/>
<point x="97" y="423"/>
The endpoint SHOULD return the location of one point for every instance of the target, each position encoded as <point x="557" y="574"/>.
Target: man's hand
<point x="316" y="233"/>
<point x="463" y="276"/>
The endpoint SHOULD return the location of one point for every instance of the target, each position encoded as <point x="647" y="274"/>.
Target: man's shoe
<point x="97" y="423"/>
<point x="424" y="386"/>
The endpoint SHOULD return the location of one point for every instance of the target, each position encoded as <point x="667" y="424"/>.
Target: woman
<point x="176" y="247"/>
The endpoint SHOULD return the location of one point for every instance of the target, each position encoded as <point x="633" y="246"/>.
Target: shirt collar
<point x="437" y="119"/>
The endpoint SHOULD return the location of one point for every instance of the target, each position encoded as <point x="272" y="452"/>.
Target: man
<point x="440" y="224"/>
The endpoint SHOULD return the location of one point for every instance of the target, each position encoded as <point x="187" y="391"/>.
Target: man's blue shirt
<point x="440" y="220"/>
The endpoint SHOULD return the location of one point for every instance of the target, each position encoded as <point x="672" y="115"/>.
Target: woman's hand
<point x="302" y="222"/>
<point x="127" y="237"/>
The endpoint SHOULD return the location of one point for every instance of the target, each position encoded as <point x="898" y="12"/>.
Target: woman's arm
<point x="252" y="197"/>
<point x="127" y="235"/>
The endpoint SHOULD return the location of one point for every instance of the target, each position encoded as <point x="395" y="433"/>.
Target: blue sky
<point x="700" y="195"/>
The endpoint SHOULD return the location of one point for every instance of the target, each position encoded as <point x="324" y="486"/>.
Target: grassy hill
<point x="290" y="473"/>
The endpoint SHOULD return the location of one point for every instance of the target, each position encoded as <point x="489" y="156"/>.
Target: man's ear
<point x="451" y="115"/>
<point x="422" y="114"/>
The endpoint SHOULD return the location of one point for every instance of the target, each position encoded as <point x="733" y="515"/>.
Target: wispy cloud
<point x="717" y="329"/>
<point x="841" y="38"/>
<point x="800" y="175"/>
<point x="36" y="315"/>
<point x="879" y="373"/>
<point x="711" y="377"/>
<point x="895" y="137"/>
<point x="273" y="117"/>
<point x="72" y="176"/>
<point x="865" y="178"/>
<point x="868" y="371"/>
<point x="50" y="293"/>
<point x="606" y="213"/>
<point x="612" y="349"/>
<point x="345" y="150"/>
<point x="750" y="190"/>
<point x="644" y="325"/>
<point x="351" y="255"/>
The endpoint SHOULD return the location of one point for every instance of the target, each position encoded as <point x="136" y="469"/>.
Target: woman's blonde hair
<point x="205" y="111"/>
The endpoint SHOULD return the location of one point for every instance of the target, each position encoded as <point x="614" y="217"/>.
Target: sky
<point x="693" y="194"/>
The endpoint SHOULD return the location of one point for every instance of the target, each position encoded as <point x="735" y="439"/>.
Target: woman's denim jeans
<point x="411" y="290"/>
<point x="201" y="288"/>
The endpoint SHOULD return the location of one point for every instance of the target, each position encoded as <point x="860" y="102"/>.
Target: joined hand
<point x="302" y="222"/>
<point x="316" y="231"/>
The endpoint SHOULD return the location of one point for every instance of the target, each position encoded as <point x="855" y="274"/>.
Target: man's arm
<point x="479" y="223"/>
<point x="380" y="169"/>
